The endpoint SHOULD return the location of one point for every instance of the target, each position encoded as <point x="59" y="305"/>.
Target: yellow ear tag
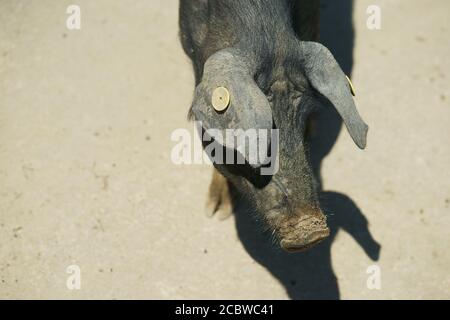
<point x="352" y="88"/>
<point x="220" y="98"/>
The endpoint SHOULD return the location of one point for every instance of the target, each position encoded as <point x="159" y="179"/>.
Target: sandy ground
<point x="86" y="177"/>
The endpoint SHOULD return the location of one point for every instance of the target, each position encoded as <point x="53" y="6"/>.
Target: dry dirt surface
<point x="86" y="177"/>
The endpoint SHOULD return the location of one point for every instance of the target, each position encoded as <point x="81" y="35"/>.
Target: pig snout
<point x="299" y="232"/>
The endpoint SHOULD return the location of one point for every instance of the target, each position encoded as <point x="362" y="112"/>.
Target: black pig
<point x="260" y="50"/>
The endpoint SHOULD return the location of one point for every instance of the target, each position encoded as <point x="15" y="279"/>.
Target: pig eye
<point x="269" y="96"/>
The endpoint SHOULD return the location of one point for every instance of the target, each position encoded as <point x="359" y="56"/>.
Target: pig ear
<point x="325" y="76"/>
<point x="228" y="98"/>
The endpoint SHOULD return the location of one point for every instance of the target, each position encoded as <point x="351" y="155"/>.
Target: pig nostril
<point x="299" y="233"/>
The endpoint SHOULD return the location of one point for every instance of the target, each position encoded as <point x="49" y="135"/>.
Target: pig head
<point x="279" y="95"/>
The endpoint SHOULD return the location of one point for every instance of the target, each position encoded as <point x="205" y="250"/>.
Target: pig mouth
<point x="298" y="235"/>
<point x="303" y="245"/>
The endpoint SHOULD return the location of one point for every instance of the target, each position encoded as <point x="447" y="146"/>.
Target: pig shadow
<point x="309" y="275"/>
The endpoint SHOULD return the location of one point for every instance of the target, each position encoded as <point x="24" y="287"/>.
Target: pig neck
<point x="262" y="29"/>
